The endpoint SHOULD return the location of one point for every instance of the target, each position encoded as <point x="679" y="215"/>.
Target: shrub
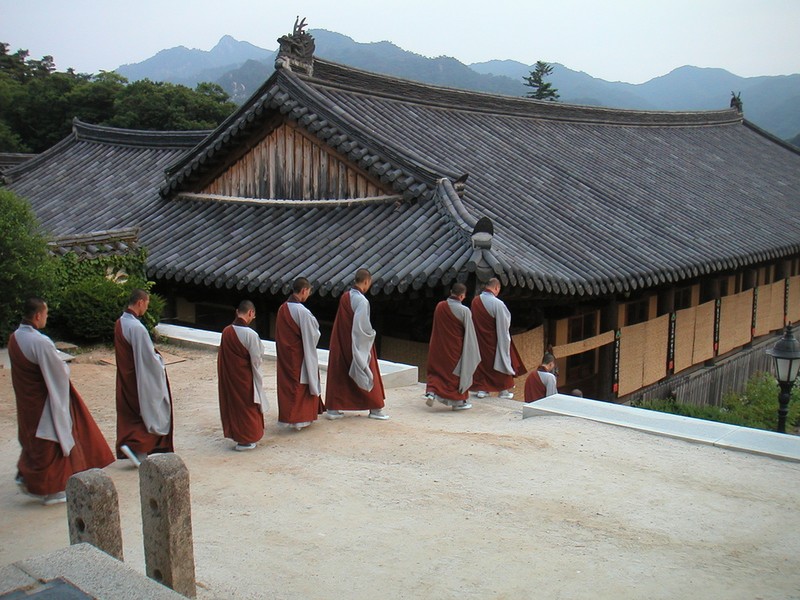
<point x="89" y="308"/>
<point x="26" y="268"/>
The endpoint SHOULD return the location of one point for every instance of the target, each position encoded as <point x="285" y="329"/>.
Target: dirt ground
<point x="441" y="504"/>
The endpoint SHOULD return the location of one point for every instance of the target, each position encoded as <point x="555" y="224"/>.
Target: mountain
<point x="772" y="103"/>
<point x="189" y="66"/>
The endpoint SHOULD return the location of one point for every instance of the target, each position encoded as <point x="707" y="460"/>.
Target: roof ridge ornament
<point x="736" y="102"/>
<point x="296" y="51"/>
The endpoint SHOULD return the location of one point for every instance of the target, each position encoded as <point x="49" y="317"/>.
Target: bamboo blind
<point x="655" y="350"/>
<point x="591" y="343"/>
<point x="794" y="299"/>
<point x="633" y="340"/>
<point x="703" y="333"/>
<point x="530" y="346"/>
<point x="736" y="316"/>
<point x="763" y="309"/>
<point x="776" y="305"/>
<point x="643" y="354"/>
<point x="684" y="338"/>
<point x="406" y="352"/>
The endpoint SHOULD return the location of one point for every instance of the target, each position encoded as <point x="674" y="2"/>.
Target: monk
<point x="57" y="433"/>
<point x="144" y="401"/>
<point x="242" y="401"/>
<point x="296" y="337"/>
<point x="500" y="361"/>
<point x="453" y="352"/>
<point x="354" y="380"/>
<point x="542" y="382"/>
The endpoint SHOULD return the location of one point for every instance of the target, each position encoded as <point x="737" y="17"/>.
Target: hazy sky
<point x="616" y="40"/>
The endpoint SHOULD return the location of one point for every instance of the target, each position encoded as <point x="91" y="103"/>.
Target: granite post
<point x="167" y="522"/>
<point x="93" y="511"/>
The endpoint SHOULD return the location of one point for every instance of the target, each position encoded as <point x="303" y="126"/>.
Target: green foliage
<point x="89" y="307"/>
<point x="26" y="268"/>
<point x="37" y="104"/>
<point x="757" y="407"/>
<point x="541" y="89"/>
<point x="147" y="104"/>
<point x="94" y="292"/>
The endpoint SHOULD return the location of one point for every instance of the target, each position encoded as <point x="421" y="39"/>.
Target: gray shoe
<point x="429" y="399"/>
<point x="465" y="406"/>
<point x="333" y="414"/>
<point x="57" y="498"/>
<point x="481" y="394"/>
<point x="378" y="414"/>
<point x="135" y="459"/>
<point x="506" y="394"/>
<point x="244" y="447"/>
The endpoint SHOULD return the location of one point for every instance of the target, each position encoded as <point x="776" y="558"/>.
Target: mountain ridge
<point x="771" y="102"/>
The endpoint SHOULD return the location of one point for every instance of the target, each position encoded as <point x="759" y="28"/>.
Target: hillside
<point x="772" y="103"/>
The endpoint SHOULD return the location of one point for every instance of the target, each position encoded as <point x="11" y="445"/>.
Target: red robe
<point x="296" y="404"/>
<point x="534" y="387"/>
<point x="42" y="464"/>
<point x="447" y="341"/>
<point x="131" y="430"/>
<point x="342" y="393"/>
<point x="486" y="378"/>
<point x="242" y="420"/>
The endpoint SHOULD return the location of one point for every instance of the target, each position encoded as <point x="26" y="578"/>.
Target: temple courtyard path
<point x="441" y="504"/>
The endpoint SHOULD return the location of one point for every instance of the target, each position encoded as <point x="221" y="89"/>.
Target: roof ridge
<point x="349" y="78"/>
<point x="137" y="137"/>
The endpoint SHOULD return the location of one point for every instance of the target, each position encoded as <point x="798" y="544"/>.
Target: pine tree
<point x="541" y="89"/>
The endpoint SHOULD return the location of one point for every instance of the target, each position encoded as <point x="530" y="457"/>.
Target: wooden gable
<point x="290" y="164"/>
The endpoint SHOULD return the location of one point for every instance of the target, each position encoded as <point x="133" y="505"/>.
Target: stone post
<point x="167" y="522"/>
<point x="93" y="511"/>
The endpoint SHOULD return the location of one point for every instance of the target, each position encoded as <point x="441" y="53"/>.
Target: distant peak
<point x="227" y="40"/>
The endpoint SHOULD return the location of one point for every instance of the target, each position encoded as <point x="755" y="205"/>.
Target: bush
<point x="26" y="268"/>
<point x="89" y="308"/>
<point x="757" y="407"/>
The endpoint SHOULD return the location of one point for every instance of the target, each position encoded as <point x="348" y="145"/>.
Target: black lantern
<point x="786" y="353"/>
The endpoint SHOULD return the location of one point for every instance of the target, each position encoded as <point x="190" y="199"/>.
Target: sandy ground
<point x="442" y="504"/>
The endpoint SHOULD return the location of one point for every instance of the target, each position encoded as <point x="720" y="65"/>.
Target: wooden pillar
<point x="609" y="321"/>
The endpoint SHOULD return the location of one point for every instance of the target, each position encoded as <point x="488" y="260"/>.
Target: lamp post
<point x="786" y="353"/>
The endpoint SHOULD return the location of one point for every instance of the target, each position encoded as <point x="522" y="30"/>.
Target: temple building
<point x="644" y="247"/>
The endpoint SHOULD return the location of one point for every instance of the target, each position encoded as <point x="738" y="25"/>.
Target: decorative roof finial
<point x="736" y="101"/>
<point x="296" y="51"/>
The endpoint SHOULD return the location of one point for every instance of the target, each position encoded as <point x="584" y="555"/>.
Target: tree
<point x="146" y="104"/>
<point x="38" y="103"/>
<point x="541" y="89"/>
<point x="26" y="267"/>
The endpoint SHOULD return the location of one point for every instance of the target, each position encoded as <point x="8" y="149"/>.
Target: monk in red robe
<point x="542" y="382"/>
<point x="500" y="361"/>
<point x="354" y="379"/>
<point x="144" y="401"/>
<point x="56" y="431"/>
<point x="242" y="401"/>
<point x="296" y="337"/>
<point x="453" y="352"/>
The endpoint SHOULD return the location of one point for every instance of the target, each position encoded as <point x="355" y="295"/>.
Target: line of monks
<point x="470" y="350"/>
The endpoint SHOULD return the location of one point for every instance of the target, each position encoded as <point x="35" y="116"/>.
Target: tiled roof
<point x="99" y="178"/>
<point x="583" y="200"/>
<point x="9" y="160"/>
<point x="98" y="244"/>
